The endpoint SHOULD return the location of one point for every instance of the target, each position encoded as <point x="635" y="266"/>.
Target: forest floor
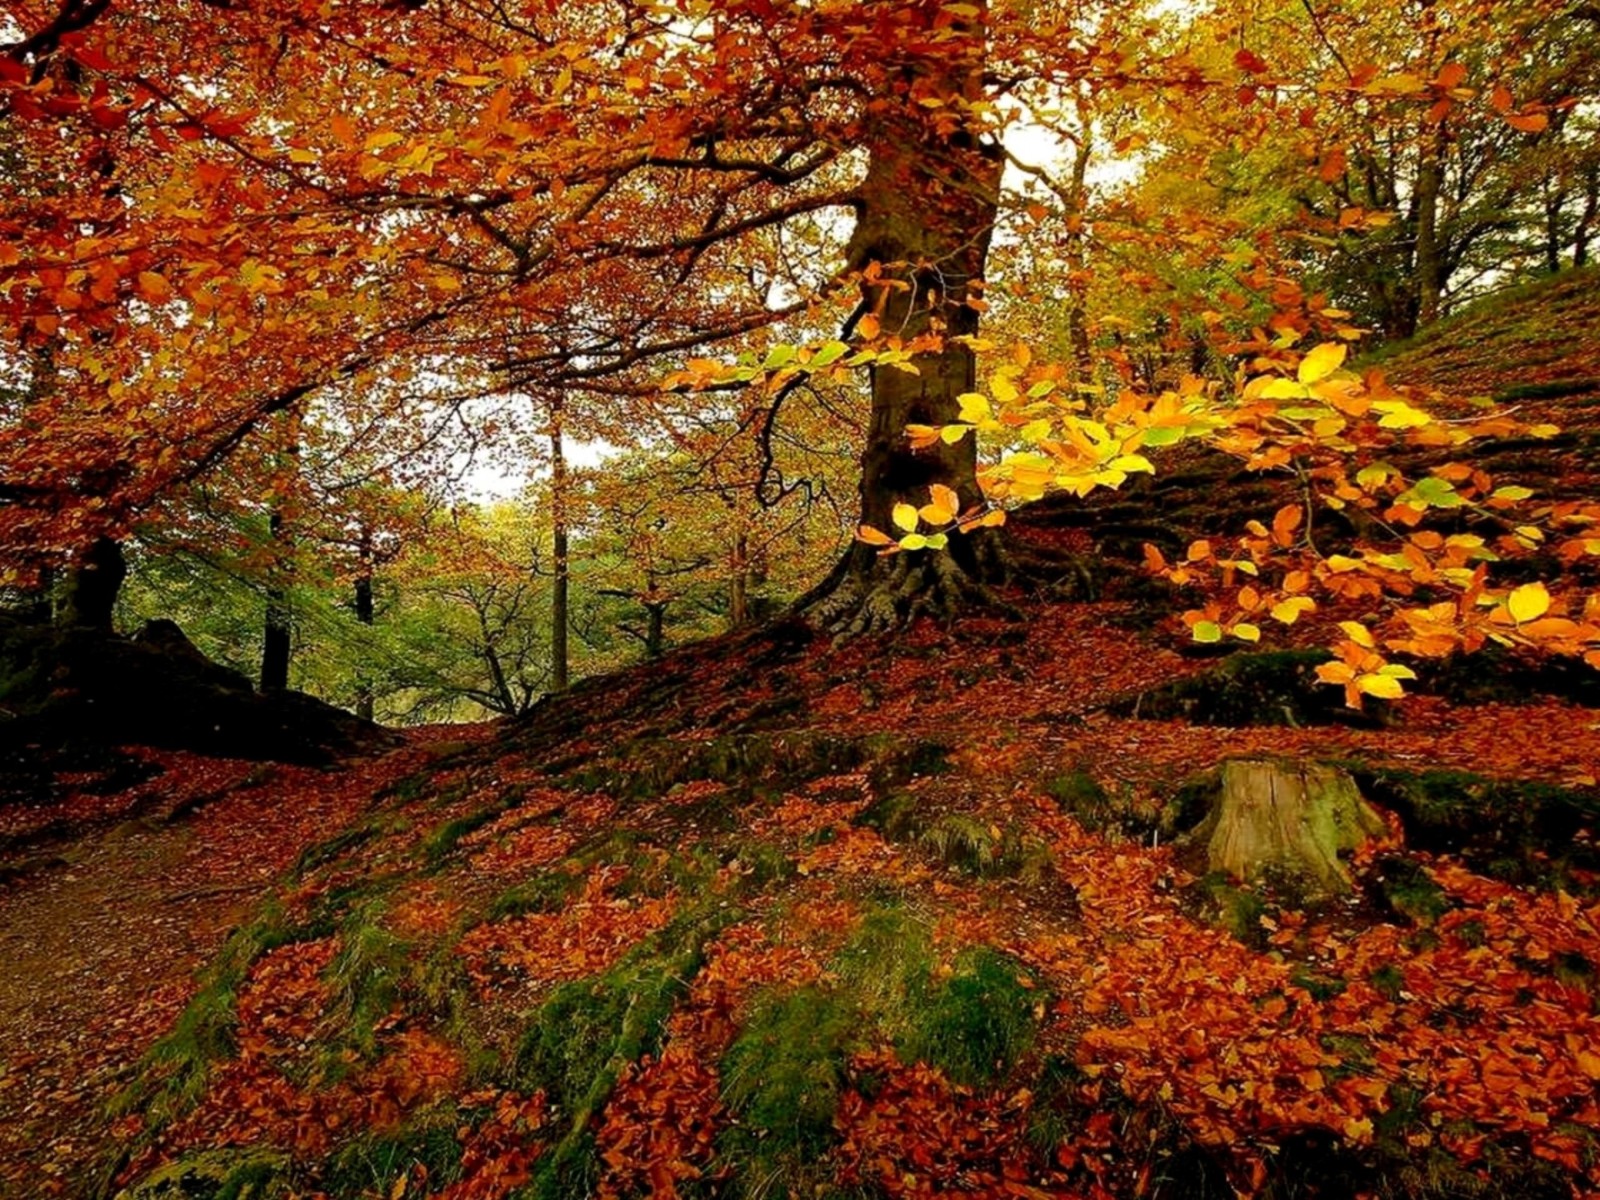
<point x="766" y="918"/>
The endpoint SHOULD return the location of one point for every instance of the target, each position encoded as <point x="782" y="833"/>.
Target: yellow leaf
<point x="1289" y="611"/>
<point x="1384" y="687"/>
<point x="905" y="516"/>
<point x="1322" y="361"/>
<point x="1528" y="603"/>
<point x="1357" y="633"/>
<point x="951" y="434"/>
<point x="1246" y="632"/>
<point x="974" y="407"/>
<point x="1004" y="390"/>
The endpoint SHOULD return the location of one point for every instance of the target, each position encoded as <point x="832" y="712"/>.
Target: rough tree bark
<point x="1289" y="819"/>
<point x="559" y="593"/>
<point x="926" y="212"/>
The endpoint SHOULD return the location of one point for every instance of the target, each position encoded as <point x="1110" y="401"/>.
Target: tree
<point x="594" y="194"/>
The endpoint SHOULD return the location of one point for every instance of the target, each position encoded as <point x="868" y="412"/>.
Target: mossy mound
<point x="70" y="687"/>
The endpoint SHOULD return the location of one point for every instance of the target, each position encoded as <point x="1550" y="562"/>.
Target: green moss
<point x="436" y="847"/>
<point x="1389" y="980"/>
<point x="371" y="1165"/>
<point x="895" y="815"/>
<point x="175" y="1071"/>
<point x="1408" y="890"/>
<point x="1236" y="909"/>
<point x="1524" y="833"/>
<point x="978" y="1022"/>
<point x="587" y="1031"/>
<point x="783" y="1075"/>
<point x="982" y="849"/>
<point x="365" y="979"/>
<point x="546" y="892"/>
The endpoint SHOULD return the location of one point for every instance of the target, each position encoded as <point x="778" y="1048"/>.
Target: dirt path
<point x="98" y="948"/>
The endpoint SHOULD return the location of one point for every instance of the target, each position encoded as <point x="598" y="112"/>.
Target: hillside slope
<point x="768" y="919"/>
<point x="1538" y="343"/>
<point x="906" y="918"/>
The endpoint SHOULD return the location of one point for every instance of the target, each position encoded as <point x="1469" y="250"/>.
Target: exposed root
<point x="866" y="595"/>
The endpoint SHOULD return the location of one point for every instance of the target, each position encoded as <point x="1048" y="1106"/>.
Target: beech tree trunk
<point x="925" y="216"/>
<point x="89" y="596"/>
<point x="1290" y="819"/>
<point x="739" y="583"/>
<point x="559" y="610"/>
<point x="365" y="614"/>
<point x="276" y="635"/>
<point x="1430" y="259"/>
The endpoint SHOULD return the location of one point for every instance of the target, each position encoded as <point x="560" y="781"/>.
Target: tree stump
<point x="1293" y="819"/>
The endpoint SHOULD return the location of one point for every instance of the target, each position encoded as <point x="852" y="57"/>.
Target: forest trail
<point x="100" y="938"/>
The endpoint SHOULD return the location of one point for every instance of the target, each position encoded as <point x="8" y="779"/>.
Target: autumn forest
<point x="755" y="599"/>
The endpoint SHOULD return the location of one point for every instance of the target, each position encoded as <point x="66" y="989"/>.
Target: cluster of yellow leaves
<point x="928" y="527"/>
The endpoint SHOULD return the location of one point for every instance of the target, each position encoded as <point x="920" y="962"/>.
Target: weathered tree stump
<point x="1289" y="819"/>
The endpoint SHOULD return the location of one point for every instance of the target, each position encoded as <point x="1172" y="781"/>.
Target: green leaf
<point x="1207" y="631"/>
<point x="830" y="353"/>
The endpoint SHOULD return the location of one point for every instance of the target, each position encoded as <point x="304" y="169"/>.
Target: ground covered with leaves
<point x="768" y="918"/>
<point x="912" y="917"/>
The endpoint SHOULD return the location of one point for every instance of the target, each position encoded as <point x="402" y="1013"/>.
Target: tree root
<point x="866" y="595"/>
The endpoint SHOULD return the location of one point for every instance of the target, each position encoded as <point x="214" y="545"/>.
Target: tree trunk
<point x="559" y="611"/>
<point x="365" y="614"/>
<point x="1288" y="819"/>
<point x="1430" y="261"/>
<point x="90" y="595"/>
<point x="1585" y="226"/>
<point x="739" y="583"/>
<point x="276" y="638"/>
<point x="926" y="213"/>
<point x="655" y="640"/>
<point x="277" y="633"/>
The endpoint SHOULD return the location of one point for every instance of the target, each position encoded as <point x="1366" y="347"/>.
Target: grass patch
<point x="373" y="1165"/>
<point x="587" y="1031"/>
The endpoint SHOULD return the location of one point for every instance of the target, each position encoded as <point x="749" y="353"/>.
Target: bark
<point x="655" y="641"/>
<point x="1289" y="820"/>
<point x="1430" y="259"/>
<point x="739" y="583"/>
<point x="926" y="212"/>
<point x="89" y="596"/>
<point x="365" y="614"/>
<point x="277" y="637"/>
<point x="1584" y="229"/>
<point x="560" y="612"/>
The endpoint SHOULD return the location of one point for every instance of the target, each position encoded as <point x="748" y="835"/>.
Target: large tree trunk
<point x="1289" y="820"/>
<point x="89" y="596"/>
<point x="924" y="221"/>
